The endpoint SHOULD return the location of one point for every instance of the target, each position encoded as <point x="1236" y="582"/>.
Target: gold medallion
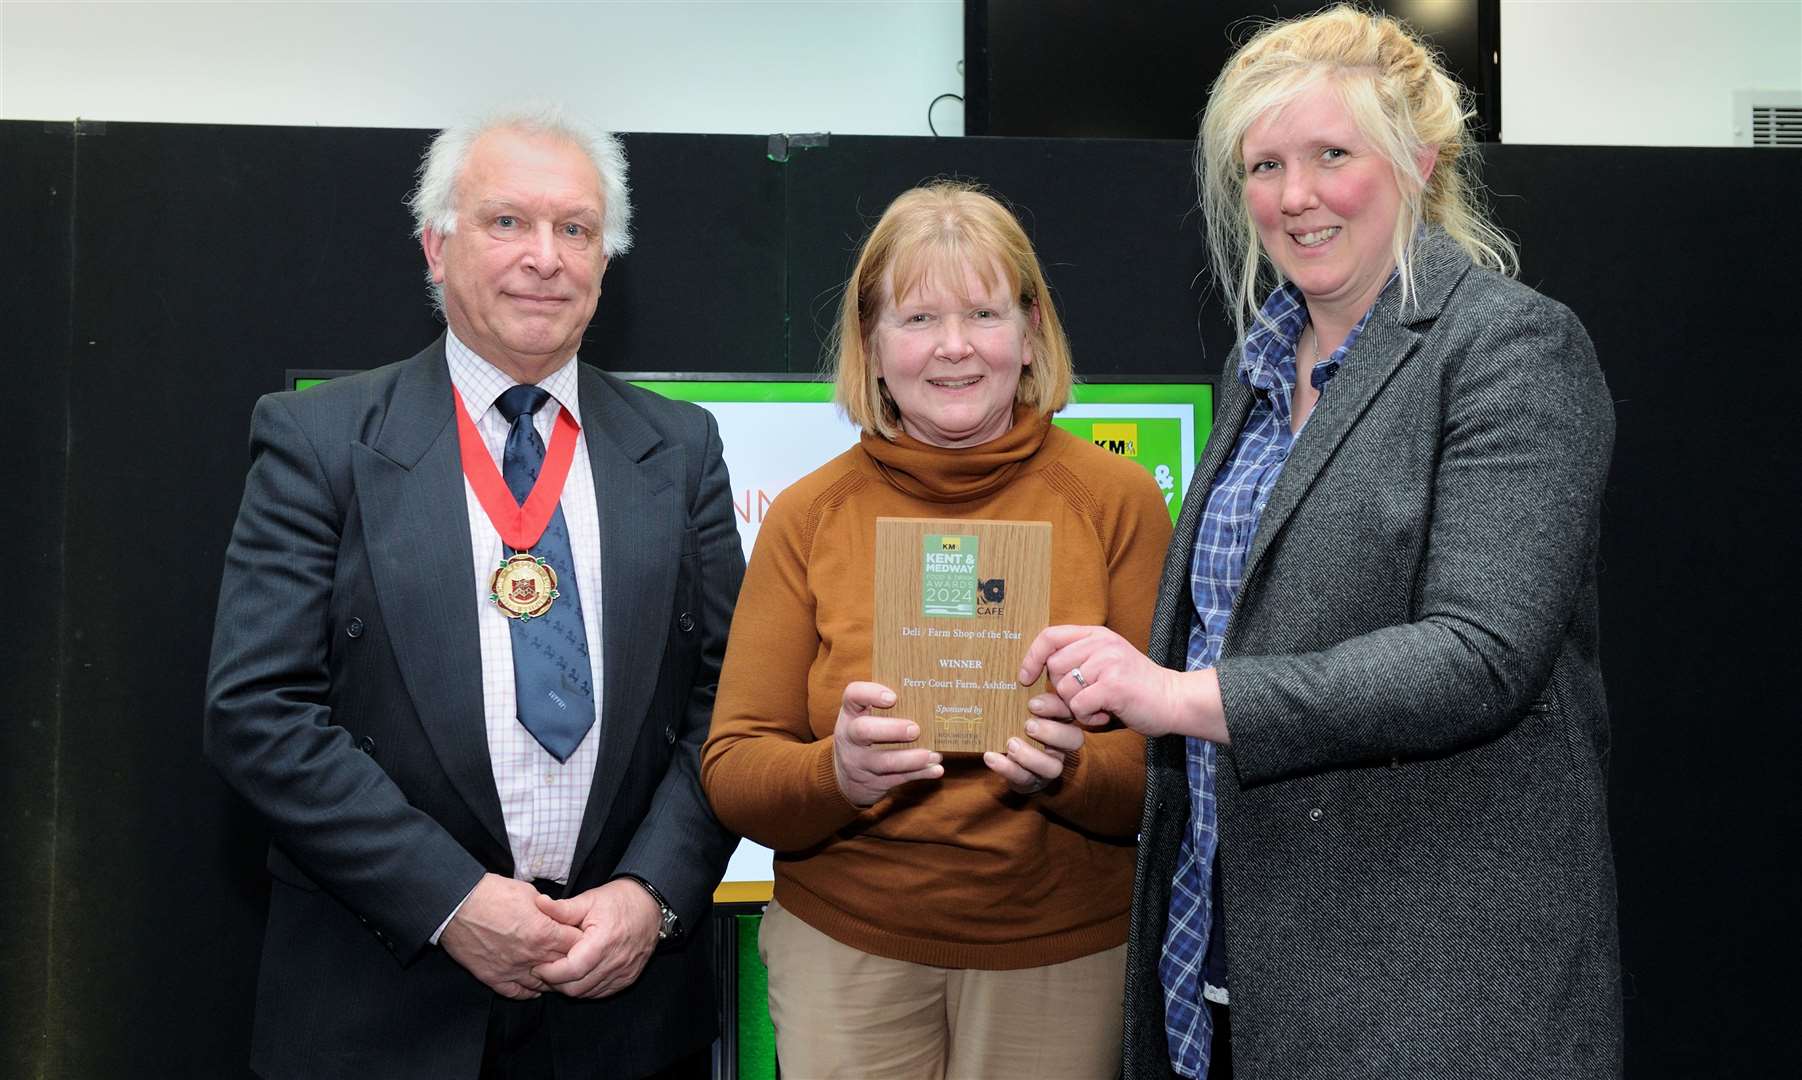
<point x="524" y="587"/>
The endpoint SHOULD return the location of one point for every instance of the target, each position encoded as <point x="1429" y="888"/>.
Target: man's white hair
<point x="434" y="200"/>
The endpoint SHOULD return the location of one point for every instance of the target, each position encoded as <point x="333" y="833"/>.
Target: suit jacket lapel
<point x="1387" y="341"/>
<point x="410" y="485"/>
<point x="640" y="500"/>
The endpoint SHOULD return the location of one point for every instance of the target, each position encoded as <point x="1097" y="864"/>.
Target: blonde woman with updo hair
<point x="1375" y="837"/>
<point x="937" y="916"/>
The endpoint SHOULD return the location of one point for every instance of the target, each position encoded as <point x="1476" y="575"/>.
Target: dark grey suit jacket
<point x="345" y="703"/>
<point x="1416" y="869"/>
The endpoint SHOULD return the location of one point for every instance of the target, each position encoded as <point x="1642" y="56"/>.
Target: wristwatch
<point x="670" y="926"/>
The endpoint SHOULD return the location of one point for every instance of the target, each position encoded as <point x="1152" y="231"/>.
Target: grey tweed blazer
<point x="1416" y="871"/>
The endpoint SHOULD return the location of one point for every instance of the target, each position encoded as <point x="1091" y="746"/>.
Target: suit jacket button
<point x="1316" y="814"/>
<point x="685" y="621"/>
<point x="354" y="628"/>
<point x="669" y="734"/>
<point x="366" y="744"/>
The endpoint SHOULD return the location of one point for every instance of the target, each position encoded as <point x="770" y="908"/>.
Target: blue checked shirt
<point x="1228" y="523"/>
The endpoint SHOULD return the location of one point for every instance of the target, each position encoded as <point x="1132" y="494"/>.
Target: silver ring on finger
<point x="1076" y="673"/>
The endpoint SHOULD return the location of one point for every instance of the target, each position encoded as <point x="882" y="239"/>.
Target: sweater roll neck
<point x="942" y="474"/>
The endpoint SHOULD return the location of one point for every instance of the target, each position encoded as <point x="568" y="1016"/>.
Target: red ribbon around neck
<point x="519" y="526"/>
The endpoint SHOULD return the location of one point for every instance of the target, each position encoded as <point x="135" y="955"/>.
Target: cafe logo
<point x="991" y="595"/>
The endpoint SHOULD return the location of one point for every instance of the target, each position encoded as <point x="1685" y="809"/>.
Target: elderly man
<point x="472" y="617"/>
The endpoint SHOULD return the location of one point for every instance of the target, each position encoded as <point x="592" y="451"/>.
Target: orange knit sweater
<point x="960" y="871"/>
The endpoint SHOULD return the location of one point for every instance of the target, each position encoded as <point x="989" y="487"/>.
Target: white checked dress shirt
<point x="541" y="799"/>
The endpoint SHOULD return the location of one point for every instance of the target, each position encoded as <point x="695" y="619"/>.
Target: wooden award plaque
<point x="957" y="604"/>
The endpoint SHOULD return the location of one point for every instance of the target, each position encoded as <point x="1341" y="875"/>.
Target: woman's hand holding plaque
<point x="863" y="760"/>
<point x="1031" y="766"/>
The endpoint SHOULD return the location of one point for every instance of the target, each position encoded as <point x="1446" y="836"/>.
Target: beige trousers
<point x="842" y="1013"/>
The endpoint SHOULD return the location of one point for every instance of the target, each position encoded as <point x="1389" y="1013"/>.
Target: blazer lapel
<point x="410" y="485"/>
<point x="1173" y="592"/>
<point x="640" y="500"/>
<point x="1387" y="341"/>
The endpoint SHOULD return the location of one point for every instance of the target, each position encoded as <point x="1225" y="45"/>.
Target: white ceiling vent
<point x="1767" y="118"/>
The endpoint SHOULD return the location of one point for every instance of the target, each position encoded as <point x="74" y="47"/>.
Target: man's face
<point x="522" y="272"/>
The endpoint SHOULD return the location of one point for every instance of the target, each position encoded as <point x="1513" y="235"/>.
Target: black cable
<point x="934" y="104"/>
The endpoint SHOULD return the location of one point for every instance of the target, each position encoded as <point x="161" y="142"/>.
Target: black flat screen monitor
<point x="1141" y="70"/>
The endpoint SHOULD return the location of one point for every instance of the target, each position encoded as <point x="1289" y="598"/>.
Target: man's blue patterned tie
<point x="551" y="671"/>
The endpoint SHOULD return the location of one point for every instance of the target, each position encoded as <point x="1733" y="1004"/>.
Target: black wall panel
<point x="1111" y="220"/>
<point x="37" y="199"/>
<point x="702" y="288"/>
<point x="160" y="277"/>
<point x="1677" y="264"/>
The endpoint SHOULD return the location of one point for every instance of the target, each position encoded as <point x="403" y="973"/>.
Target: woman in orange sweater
<point x="937" y="916"/>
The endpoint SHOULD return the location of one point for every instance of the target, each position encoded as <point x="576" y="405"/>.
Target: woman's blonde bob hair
<point x="939" y="232"/>
<point x="1402" y="101"/>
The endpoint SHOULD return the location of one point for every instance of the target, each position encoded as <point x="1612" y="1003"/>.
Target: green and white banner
<point x="776" y="431"/>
